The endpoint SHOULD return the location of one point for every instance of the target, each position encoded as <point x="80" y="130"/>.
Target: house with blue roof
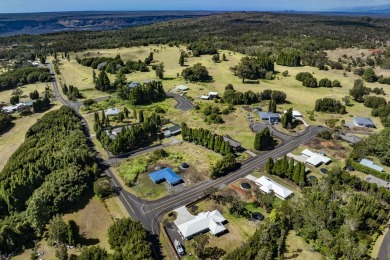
<point x="371" y="164"/>
<point x="166" y="174"/>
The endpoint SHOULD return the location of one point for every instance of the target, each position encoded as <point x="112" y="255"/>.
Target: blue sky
<point x="12" y="6"/>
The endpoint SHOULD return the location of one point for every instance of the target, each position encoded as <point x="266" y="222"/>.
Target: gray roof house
<point x="173" y="130"/>
<point x="371" y="164"/>
<point x="379" y="182"/>
<point x="363" y="122"/>
<point x="233" y="143"/>
<point x="271" y="117"/>
<point x="350" y="138"/>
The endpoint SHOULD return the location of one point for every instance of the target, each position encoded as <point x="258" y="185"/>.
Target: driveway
<point x="258" y="127"/>
<point x="183" y="103"/>
<point x="183" y="215"/>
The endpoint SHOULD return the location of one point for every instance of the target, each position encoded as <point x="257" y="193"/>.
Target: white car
<point x="178" y="247"/>
<point x="40" y="253"/>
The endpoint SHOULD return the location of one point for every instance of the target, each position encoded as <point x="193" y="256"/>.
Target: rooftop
<point x="351" y="138"/>
<point x="166" y="174"/>
<point x="267" y="115"/>
<point x="210" y="220"/>
<point x="379" y="182"/>
<point x="371" y="164"/>
<point x="315" y="159"/>
<point x="134" y="84"/>
<point x="363" y="121"/>
<point x="267" y="185"/>
<point x="111" y="112"/>
<point x="233" y="143"/>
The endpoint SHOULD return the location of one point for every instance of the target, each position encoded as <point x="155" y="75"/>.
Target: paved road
<point x="384" y="251"/>
<point x="150" y="212"/>
<point x="183" y="104"/>
<point x="257" y="127"/>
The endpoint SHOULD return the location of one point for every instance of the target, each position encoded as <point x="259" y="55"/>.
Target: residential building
<point x="181" y="88"/>
<point x="377" y="181"/>
<point x="204" y="97"/>
<point x="111" y="112"/>
<point x="267" y="185"/>
<point x="211" y="221"/>
<point x="213" y="95"/>
<point x="233" y="143"/>
<point x="315" y="159"/>
<point x="371" y="164"/>
<point x="295" y="113"/>
<point x="173" y="130"/>
<point x="269" y="116"/>
<point x="166" y="174"/>
<point x="350" y="138"/>
<point x="363" y="122"/>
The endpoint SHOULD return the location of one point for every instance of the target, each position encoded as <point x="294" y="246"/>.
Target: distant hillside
<point x="378" y="9"/>
<point x="40" y="23"/>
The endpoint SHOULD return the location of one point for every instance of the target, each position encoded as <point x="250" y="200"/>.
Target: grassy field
<point x="11" y="140"/>
<point x="295" y="245"/>
<point x="27" y="89"/>
<point x="236" y="125"/>
<point x="93" y="219"/>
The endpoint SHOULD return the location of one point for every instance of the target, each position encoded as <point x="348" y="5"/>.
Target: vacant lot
<point x="297" y="248"/>
<point x="27" y="89"/>
<point x="11" y="140"/>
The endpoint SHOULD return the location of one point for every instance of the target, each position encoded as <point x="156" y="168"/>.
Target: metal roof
<point x="315" y="159"/>
<point x="111" y="112"/>
<point x="363" y="121"/>
<point x="371" y="164"/>
<point x="165" y="174"/>
<point x="202" y="222"/>
<point x="267" y="185"/>
<point x="379" y="182"/>
<point x="268" y="115"/>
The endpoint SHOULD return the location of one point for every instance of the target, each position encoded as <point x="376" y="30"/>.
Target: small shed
<point x="181" y="88"/>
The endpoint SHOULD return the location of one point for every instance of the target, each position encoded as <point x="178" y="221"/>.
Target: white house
<point x="315" y="159"/>
<point x="213" y="95"/>
<point x="267" y="185"/>
<point x="295" y="113"/>
<point x="204" y="97"/>
<point x="203" y="222"/>
<point x="181" y="88"/>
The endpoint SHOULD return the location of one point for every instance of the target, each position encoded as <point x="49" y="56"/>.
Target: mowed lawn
<point x="27" y="89"/>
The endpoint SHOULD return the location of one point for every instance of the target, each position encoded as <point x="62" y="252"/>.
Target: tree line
<point x="131" y="137"/>
<point x="253" y="68"/>
<point x="144" y="94"/>
<point x="289" y="58"/>
<point x="71" y="92"/>
<point x="264" y="140"/>
<point x="37" y="183"/>
<point x="329" y="105"/>
<point x="288" y="169"/>
<point x="309" y="81"/>
<point x="206" y="138"/>
<point x="22" y="76"/>
<point x="234" y="97"/>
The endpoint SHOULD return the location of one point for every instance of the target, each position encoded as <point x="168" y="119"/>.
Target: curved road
<point x="384" y="251"/>
<point x="183" y="103"/>
<point x="150" y="212"/>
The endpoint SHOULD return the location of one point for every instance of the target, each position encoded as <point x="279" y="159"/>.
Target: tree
<point x="272" y="106"/>
<point x="336" y="84"/>
<point x="34" y="95"/>
<point x="224" y="57"/>
<point x="358" y="91"/>
<point x="57" y="231"/>
<point x="14" y="100"/>
<point x="347" y="100"/>
<point x="103" y="82"/>
<point x="141" y="116"/>
<point x="269" y="165"/>
<point x="215" y="57"/>
<point x="214" y="253"/>
<point x="369" y="75"/>
<point x="285" y="73"/>
<point x="93" y="76"/>
<point x="160" y="70"/>
<point x="182" y="59"/>
<point x="263" y="140"/>
<point x="199" y="243"/>
<point x="102" y="188"/>
<point x="93" y="253"/>
<point x="61" y="253"/>
<point x="73" y="233"/>
<point x="88" y="103"/>
<point x="197" y="72"/>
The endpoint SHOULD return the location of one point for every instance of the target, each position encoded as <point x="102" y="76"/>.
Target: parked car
<point x="178" y="247"/>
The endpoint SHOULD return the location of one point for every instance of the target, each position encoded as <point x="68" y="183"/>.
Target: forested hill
<point x="40" y="23"/>
<point x="245" y="32"/>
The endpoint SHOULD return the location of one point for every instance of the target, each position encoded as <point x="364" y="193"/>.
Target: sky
<point x="23" y="6"/>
